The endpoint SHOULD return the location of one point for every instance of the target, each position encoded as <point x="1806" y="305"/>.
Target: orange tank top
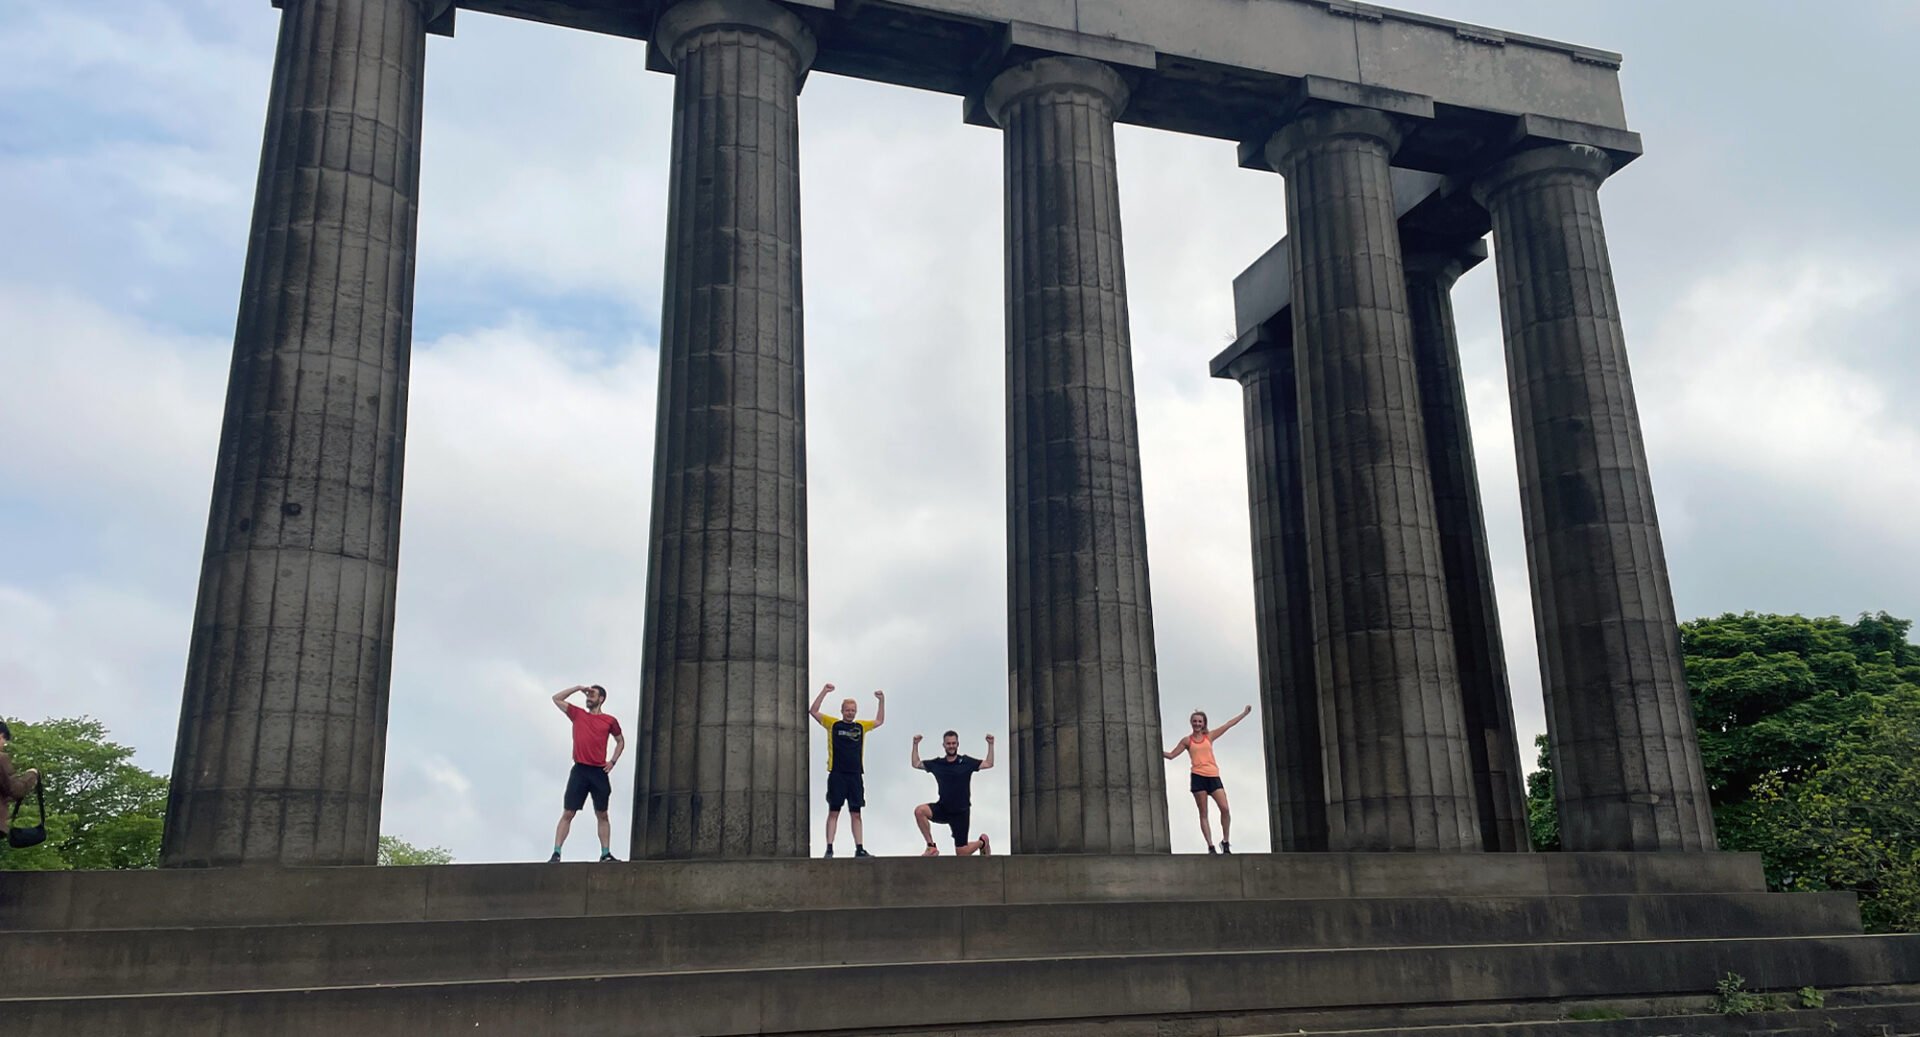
<point x="1200" y="747"/>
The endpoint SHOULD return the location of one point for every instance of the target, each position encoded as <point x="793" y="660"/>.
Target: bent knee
<point x="923" y="811"/>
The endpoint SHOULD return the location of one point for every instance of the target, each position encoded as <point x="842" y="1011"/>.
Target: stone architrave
<point x="1487" y="705"/>
<point x="1398" y="772"/>
<point x="1627" y="767"/>
<point x="1088" y="775"/>
<point x="282" y="743"/>
<point x="722" y="768"/>
<point x="1283" y="597"/>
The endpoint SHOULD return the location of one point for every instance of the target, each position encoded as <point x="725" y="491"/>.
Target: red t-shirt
<point x="590" y="734"/>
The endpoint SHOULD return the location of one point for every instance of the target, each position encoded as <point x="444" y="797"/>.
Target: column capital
<point x="1444" y="265"/>
<point x="1332" y="123"/>
<point x="679" y="23"/>
<point x="1258" y="350"/>
<point x="1579" y="159"/>
<point x="1055" y="73"/>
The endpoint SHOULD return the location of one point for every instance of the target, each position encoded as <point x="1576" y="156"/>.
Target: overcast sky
<point x="1767" y="251"/>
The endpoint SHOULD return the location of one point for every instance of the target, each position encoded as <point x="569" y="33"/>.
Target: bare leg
<point x="1226" y="816"/>
<point x="560" y="830"/>
<point x="1206" y="829"/>
<point x="833" y="825"/>
<point x="857" y="841"/>
<point x="606" y="831"/>
<point x="922" y="814"/>
<point x="977" y="846"/>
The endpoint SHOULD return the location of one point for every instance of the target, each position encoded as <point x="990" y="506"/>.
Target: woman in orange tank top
<point x="1206" y="775"/>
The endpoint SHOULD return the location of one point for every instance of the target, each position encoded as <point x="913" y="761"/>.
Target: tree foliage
<point x="1810" y="736"/>
<point x="1853" y="823"/>
<point x="394" y="850"/>
<point x="102" y="810"/>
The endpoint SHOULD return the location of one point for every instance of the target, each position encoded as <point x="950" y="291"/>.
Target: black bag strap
<point x="40" y="799"/>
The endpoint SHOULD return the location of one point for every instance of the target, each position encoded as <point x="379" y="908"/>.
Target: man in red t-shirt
<point x="591" y="765"/>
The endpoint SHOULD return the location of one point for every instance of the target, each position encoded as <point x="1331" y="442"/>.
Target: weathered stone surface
<point x="131" y="961"/>
<point x="1085" y="725"/>
<point x="1283" y="596"/>
<point x="172" y="898"/>
<point x="1626" y="760"/>
<point x="1487" y="706"/>
<point x="282" y="742"/>
<point x="723" y="737"/>
<point x="1397" y="769"/>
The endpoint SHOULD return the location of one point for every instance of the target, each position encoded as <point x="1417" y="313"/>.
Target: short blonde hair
<point x="844" y="703"/>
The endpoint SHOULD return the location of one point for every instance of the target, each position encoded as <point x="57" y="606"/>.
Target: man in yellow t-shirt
<point x="846" y="759"/>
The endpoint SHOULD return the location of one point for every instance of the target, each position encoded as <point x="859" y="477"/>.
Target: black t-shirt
<point x="955" y="778"/>
<point x="845" y="755"/>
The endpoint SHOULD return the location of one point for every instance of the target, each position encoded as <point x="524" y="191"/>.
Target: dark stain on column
<point x="723" y="737"/>
<point x="282" y="744"/>
<point x="1088" y="776"/>
<point x="1626" y="758"/>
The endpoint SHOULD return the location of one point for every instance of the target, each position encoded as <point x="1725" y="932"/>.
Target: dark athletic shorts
<point x="956" y="820"/>
<point x="848" y="790"/>
<point x="1202" y="783"/>
<point x="584" y="779"/>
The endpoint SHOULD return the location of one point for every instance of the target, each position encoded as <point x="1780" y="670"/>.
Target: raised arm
<point x="619" y="746"/>
<point x="880" y="711"/>
<point x="916" y="754"/>
<point x="560" y="697"/>
<point x="1176" y="750"/>
<point x="1228" y="726"/>
<point x="825" y="690"/>
<point x="987" y="764"/>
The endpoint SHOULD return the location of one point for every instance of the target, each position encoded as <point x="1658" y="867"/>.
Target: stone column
<point x="283" y="724"/>
<point x="1088" y="776"/>
<point x="1626" y="761"/>
<point x="722" y="768"/>
<point x="1398" y="772"/>
<point x="1283" y="597"/>
<point x="1487" y="706"/>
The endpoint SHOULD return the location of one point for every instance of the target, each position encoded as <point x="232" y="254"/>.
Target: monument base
<point x="1034" y="946"/>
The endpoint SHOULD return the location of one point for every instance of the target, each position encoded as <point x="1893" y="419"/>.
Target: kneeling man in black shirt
<point x="954" y="774"/>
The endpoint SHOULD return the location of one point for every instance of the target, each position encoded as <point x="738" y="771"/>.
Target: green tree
<point x="394" y="850"/>
<point x="1798" y="717"/>
<point x="1543" y="817"/>
<point x="102" y="810"/>
<point x="1853" y="823"/>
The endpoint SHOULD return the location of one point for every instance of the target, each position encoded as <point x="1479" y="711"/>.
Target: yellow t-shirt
<point x="845" y="744"/>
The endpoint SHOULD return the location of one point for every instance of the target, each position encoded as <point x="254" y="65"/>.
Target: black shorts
<point x="957" y="820"/>
<point x="848" y="790"/>
<point x="1202" y="783"/>
<point x="587" y="778"/>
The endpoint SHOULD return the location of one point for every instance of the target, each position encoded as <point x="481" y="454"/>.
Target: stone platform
<point x="1030" y="945"/>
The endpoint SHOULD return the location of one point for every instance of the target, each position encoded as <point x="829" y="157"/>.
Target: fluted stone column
<point x="1088" y="775"/>
<point x="282" y="740"/>
<point x="1626" y="760"/>
<point x="1283" y="597"/>
<point x="723" y="742"/>
<point x="1487" y="713"/>
<point x="1398" y="772"/>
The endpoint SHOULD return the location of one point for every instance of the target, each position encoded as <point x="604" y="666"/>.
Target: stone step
<point x="1887" y="1020"/>
<point x="983" y="996"/>
<point x="124" y="961"/>
<point x="266" y="896"/>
